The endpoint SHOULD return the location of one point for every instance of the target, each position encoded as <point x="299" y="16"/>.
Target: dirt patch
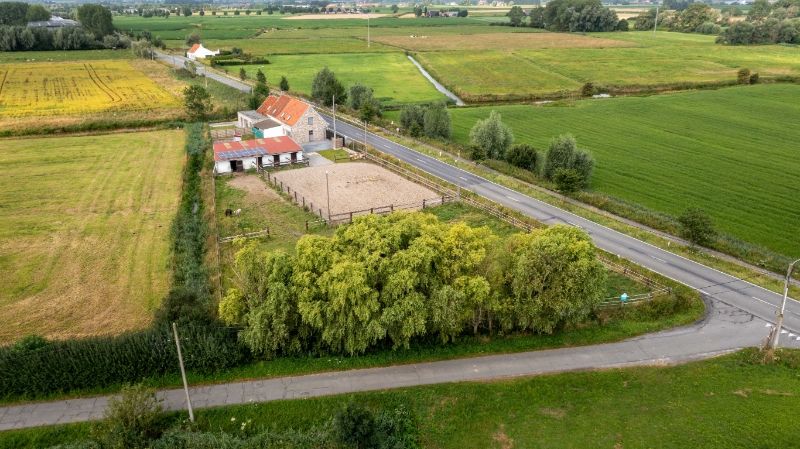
<point x="556" y="413"/>
<point x="502" y="438"/>
<point x="354" y="186"/>
<point x="776" y="393"/>
<point x="256" y="190"/>
<point x="499" y="41"/>
<point x="334" y="16"/>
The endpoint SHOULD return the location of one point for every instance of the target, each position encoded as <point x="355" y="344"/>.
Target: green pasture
<point x="732" y="152"/>
<point x="242" y="26"/>
<point x="74" y="55"/>
<point x="664" y="59"/>
<point x="393" y="77"/>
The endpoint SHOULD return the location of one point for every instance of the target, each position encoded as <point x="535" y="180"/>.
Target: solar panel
<point x="238" y="154"/>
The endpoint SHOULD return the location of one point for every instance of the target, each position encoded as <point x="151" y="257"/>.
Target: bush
<point x="754" y="78"/>
<point x="132" y="419"/>
<point x="523" y="156"/>
<point x="492" y="135"/>
<point x="567" y="180"/>
<point x="587" y="90"/>
<point x="697" y="227"/>
<point x="354" y="426"/>
<point x="743" y="76"/>
<point x="709" y="28"/>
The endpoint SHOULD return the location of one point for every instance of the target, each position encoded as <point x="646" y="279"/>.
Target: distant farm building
<point x="256" y="153"/>
<point x="199" y="52"/>
<point x="54" y="22"/>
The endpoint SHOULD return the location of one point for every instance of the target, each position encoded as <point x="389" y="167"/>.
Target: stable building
<point x="252" y="154"/>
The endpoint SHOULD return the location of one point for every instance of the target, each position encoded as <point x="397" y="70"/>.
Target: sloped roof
<point x="286" y="109"/>
<point x="194" y="48"/>
<point x="267" y="123"/>
<point x="224" y="151"/>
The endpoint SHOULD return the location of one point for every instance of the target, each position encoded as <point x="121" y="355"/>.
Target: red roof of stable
<point x="285" y="108"/>
<point x="194" y="48"/>
<point x="248" y="148"/>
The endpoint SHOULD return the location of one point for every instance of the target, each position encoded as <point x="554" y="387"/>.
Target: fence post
<point x="371" y="210"/>
<point x="304" y="201"/>
<point x="320" y="214"/>
<point x="295" y="196"/>
<point x="351" y="216"/>
<point x="391" y="207"/>
<point x="306" y="225"/>
<point x="423" y="204"/>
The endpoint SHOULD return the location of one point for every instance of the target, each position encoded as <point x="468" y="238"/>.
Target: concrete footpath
<point x="725" y="329"/>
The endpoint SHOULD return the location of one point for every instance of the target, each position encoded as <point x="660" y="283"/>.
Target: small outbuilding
<point x="268" y="128"/>
<point x="256" y="153"/>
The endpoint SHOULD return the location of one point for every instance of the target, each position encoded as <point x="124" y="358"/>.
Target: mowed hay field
<point x="84" y="233"/>
<point x="393" y="77"/>
<point x="641" y="61"/>
<point x="39" y="93"/>
<point x="732" y="152"/>
<point x="493" y="41"/>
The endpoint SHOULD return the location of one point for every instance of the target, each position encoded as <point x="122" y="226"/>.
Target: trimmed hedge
<point x="35" y="367"/>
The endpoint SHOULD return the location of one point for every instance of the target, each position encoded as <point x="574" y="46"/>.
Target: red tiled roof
<point x="285" y="108"/>
<point x="194" y="48"/>
<point x="272" y="145"/>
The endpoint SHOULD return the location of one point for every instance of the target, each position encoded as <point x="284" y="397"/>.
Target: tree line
<point x="568" y="15"/>
<point x="95" y="31"/>
<point x="395" y="279"/>
<point x="327" y="88"/>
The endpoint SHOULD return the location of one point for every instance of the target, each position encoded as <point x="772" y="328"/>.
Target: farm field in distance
<point x="55" y="93"/>
<point x="85" y="231"/>
<point x="668" y="59"/>
<point x="731" y="152"/>
<point x="393" y="77"/>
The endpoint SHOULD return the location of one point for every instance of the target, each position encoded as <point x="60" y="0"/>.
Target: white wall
<point x="222" y="166"/>
<point x="276" y="131"/>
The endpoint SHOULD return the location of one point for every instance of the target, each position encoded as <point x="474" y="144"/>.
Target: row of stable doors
<point x="237" y="165"/>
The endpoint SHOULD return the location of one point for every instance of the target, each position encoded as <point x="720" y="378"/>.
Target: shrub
<point x="587" y="90"/>
<point x="523" y="156"/>
<point x="354" y="426"/>
<point x="754" y="78"/>
<point x="132" y="420"/>
<point x="697" y="227"/>
<point x="709" y="28"/>
<point x="492" y="135"/>
<point x="567" y="180"/>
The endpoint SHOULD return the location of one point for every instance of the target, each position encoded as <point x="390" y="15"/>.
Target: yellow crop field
<point x="31" y="92"/>
<point x="67" y="88"/>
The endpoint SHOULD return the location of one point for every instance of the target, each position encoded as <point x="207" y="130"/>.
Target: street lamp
<point x="773" y="342"/>
<point x="328" y="194"/>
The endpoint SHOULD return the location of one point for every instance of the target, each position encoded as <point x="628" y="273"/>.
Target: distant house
<point x="199" y="52"/>
<point x="250" y="154"/>
<point x="54" y="22"/>
<point x="298" y="119"/>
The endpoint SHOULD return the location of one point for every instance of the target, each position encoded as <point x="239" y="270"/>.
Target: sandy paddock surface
<point x="334" y="16"/>
<point x="353" y="186"/>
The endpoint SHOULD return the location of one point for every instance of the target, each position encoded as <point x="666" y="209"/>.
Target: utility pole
<point x="655" y="22"/>
<point x="328" y="194"/>
<point x="776" y="331"/>
<point x="183" y="372"/>
<point x="334" y="122"/>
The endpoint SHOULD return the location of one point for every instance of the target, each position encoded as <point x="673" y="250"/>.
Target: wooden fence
<point x="248" y="235"/>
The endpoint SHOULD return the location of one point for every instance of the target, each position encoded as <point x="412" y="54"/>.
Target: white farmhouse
<point x="199" y="52"/>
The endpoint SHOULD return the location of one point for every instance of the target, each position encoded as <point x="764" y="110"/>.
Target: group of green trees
<point x="693" y="18"/>
<point x="767" y="23"/>
<point x="431" y="120"/>
<point x="326" y="88"/>
<point x="96" y="30"/>
<point x="570" y="15"/>
<point x="564" y="164"/>
<point x="406" y="276"/>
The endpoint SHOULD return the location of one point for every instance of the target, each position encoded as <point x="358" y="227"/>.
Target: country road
<point x="738" y="315"/>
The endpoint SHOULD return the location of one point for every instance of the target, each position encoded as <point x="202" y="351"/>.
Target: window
<point x="310" y="133"/>
<point x="311" y="120"/>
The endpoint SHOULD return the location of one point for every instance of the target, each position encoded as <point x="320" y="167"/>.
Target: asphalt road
<point x="714" y="284"/>
<point x="179" y="61"/>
